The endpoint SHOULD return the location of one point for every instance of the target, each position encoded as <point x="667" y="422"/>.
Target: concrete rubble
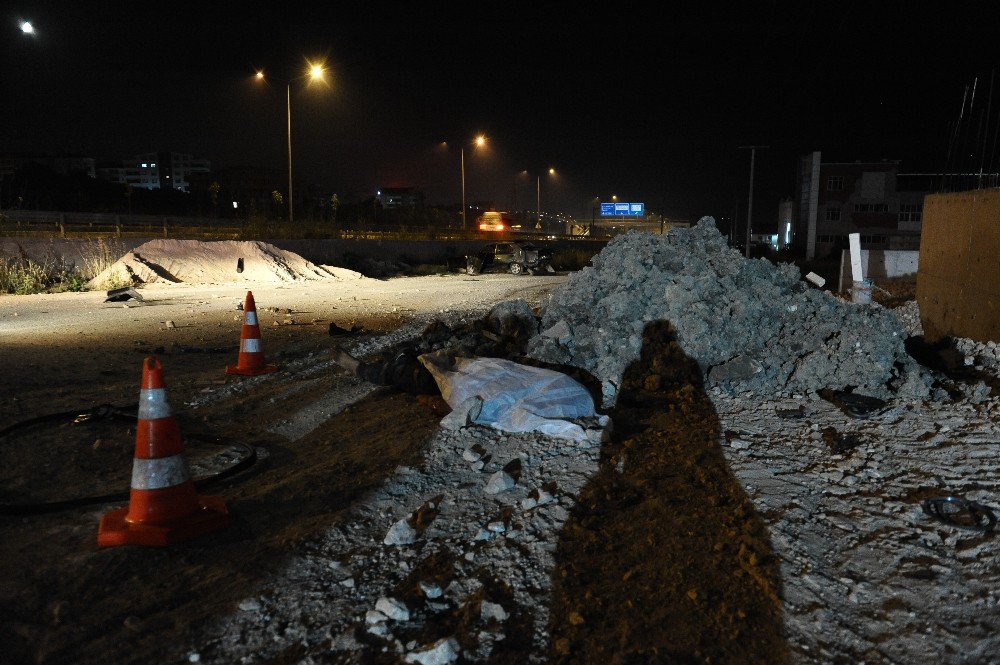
<point x="866" y="575"/>
<point x="749" y="324"/>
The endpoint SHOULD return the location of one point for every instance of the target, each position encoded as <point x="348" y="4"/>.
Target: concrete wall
<point x="958" y="285"/>
<point x="878" y="264"/>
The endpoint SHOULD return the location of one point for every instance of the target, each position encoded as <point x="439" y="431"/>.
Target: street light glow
<point x="259" y="75"/>
<point x="27" y="28"/>
<point x="480" y="141"/>
<point x="316" y="71"/>
<point x="552" y="171"/>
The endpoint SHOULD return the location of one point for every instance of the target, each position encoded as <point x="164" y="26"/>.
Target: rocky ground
<point x="712" y="523"/>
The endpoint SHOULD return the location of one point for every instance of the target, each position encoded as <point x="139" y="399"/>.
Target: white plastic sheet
<point x="516" y="398"/>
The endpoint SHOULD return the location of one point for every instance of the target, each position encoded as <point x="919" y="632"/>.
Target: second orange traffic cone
<point x="251" y="359"/>
<point x="164" y="507"/>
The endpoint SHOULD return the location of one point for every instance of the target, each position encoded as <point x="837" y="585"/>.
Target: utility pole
<point x="753" y="154"/>
<point x="463" y="190"/>
<point x="538" y="202"/>
<point x="288" y="110"/>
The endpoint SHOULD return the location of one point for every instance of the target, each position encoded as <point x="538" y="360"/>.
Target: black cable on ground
<point x="248" y="459"/>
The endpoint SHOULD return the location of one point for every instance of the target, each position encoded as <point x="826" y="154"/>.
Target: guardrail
<point x="65" y="224"/>
<point x="36" y="223"/>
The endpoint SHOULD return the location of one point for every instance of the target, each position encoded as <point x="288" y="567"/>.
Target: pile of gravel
<point x="750" y="325"/>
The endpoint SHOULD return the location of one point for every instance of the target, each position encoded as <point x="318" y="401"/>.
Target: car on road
<point x="515" y="256"/>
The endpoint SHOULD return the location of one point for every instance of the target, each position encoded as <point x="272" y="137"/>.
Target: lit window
<point x="145" y="166"/>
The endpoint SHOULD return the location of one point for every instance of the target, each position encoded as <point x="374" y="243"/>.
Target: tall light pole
<point x="753" y="154"/>
<point x="538" y="199"/>
<point x="479" y="143"/>
<point x="315" y="72"/>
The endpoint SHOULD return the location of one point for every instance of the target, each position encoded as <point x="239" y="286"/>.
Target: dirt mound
<point x="198" y="262"/>
<point x="749" y="324"/>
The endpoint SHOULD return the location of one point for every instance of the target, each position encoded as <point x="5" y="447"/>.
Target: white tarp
<point x="516" y="398"/>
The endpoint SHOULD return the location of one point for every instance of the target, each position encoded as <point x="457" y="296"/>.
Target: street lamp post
<point x="538" y="199"/>
<point x="315" y="73"/>
<point x="479" y="143"/>
<point x="753" y="154"/>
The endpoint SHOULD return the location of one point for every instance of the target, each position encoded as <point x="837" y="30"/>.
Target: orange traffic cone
<point x="251" y="359"/>
<point x="163" y="506"/>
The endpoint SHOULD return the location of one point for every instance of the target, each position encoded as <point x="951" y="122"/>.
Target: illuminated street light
<point x="27" y="28"/>
<point x="479" y="142"/>
<point x="316" y="72"/>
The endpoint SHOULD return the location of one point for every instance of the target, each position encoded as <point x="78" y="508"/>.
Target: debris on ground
<point x="750" y="325"/>
<point x="123" y="294"/>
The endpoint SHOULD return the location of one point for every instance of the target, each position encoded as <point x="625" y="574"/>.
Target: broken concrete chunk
<point x="501" y="481"/>
<point x="490" y="610"/>
<point x="466" y="413"/>
<point x="816" y="279"/>
<point x="431" y="590"/>
<point x="442" y="652"/>
<point x="560" y="332"/>
<point x="392" y="608"/>
<point x="374" y="616"/>
<point x="473" y="453"/>
<point x="401" y="533"/>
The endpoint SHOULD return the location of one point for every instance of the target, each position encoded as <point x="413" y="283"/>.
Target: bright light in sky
<point x="27" y="28"/>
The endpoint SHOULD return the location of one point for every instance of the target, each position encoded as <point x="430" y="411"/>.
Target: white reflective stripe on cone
<point x="156" y="474"/>
<point x="250" y="318"/>
<point x="250" y="345"/>
<point x="153" y="404"/>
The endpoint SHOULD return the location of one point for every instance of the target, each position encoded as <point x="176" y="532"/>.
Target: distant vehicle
<point x="517" y="257"/>
<point x="492" y="220"/>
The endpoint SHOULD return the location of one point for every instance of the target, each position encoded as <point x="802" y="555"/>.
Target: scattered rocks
<point x="442" y="652"/>
<point x="393" y="609"/>
<point x="501" y="481"/>
<point x="488" y="611"/>
<point x="401" y="533"/>
<point x="465" y="414"/>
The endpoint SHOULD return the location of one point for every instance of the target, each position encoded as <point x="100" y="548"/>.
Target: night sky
<point x="651" y="107"/>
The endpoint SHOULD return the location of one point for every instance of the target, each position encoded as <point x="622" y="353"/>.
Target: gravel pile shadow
<point x="749" y="325"/>
<point x="664" y="558"/>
